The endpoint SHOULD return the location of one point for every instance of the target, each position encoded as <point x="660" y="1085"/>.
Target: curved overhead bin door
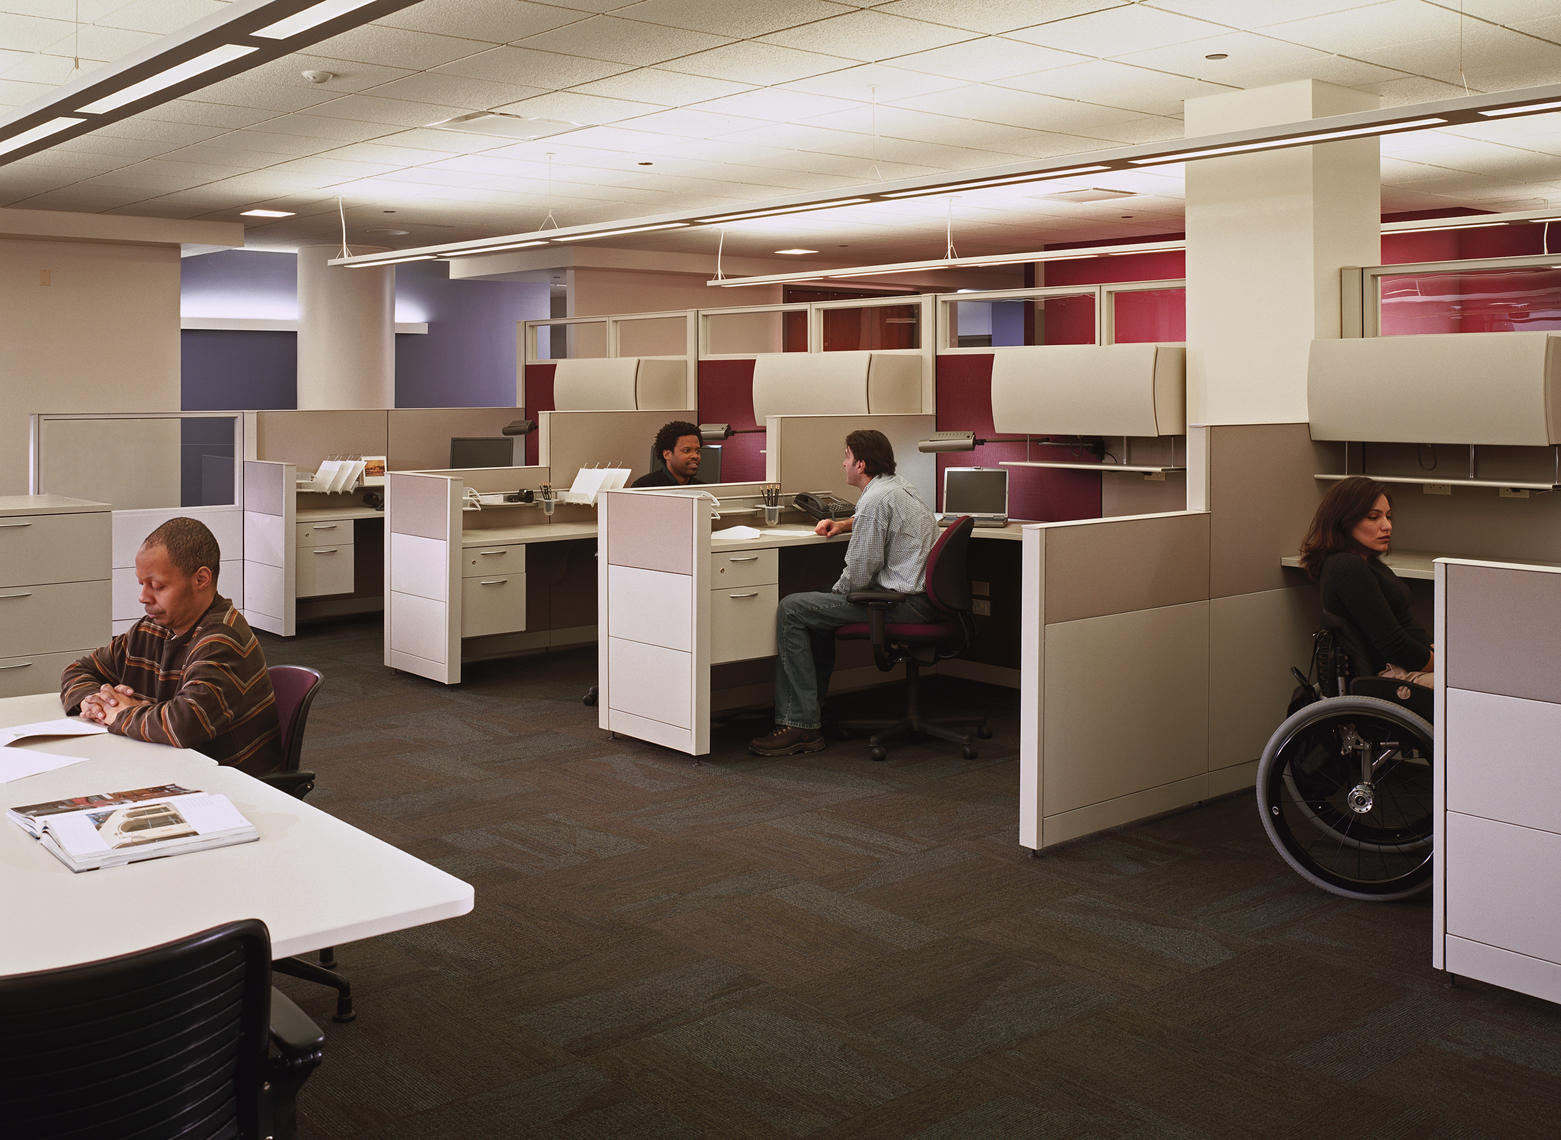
<point x="660" y="384"/>
<point x="596" y="385"/>
<point x="835" y="384"/>
<point x="1088" y="389"/>
<point x="1480" y="388"/>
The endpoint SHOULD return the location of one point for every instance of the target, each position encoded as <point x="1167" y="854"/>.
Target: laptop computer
<point x="981" y="492"/>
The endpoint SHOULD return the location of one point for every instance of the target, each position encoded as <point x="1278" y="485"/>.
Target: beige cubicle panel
<point x="422" y="574"/>
<point x="419" y="438"/>
<point x="307" y="438"/>
<point x="270" y="546"/>
<point x="569" y="441"/>
<point x="805" y="452"/>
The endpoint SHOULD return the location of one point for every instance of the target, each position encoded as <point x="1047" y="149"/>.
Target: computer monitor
<point x="710" y="463"/>
<point x="483" y="451"/>
<point x="978" y="491"/>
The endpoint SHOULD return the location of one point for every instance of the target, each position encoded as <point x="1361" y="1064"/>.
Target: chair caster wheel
<point x="589" y="700"/>
<point x="969" y="753"/>
<point x="842" y="734"/>
<point x="877" y="754"/>
<point x="984" y="732"/>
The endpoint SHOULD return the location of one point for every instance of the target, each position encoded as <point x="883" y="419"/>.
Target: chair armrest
<point x="875" y="598"/>
<point x="298" y="784"/>
<point x="292" y="1031"/>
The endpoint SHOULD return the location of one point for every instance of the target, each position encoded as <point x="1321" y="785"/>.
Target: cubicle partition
<point x="569" y="441"/>
<point x="805" y="452"/>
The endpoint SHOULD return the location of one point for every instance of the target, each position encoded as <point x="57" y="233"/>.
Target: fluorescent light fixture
<point x="1011" y="180"/>
<point x="189" y="69"/>
<point x="1553" y="105"/>
<point x="615" y="233"/>
<point x="391" y="261"/>
<point x="792" y="251"/>
<point x="498" y="124"/>
<point x="493" y="248"/>
<point x="881" y="272"/>
<point x="1297" y="140"/>
<point x="265" y="213"/>
<point x="42" y="131"/>
<point x="311" y="17"/>
<point x="782" y="210"/>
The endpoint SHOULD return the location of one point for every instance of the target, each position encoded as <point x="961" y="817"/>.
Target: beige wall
<point x="102" y="336"/>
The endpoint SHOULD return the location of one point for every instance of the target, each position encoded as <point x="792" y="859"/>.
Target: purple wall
<point x="466" y="359"/>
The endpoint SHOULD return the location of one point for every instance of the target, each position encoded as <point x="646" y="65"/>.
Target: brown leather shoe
<point x="788" y="741"/>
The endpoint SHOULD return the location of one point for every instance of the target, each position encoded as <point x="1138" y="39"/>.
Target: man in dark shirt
<point x="674" y="457"/>
<point x="191" y="673"/>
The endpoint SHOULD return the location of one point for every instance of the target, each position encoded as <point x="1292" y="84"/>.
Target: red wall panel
<point x="726" y="397"/>
<point x="539" y="398"/>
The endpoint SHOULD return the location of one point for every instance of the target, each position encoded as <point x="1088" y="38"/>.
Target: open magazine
<point x="114" y="828"/>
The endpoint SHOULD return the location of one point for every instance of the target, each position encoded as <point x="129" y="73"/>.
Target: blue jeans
<point x="805" y="627"/>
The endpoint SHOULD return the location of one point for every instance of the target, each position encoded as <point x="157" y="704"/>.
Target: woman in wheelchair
<point x="1342" y="553"/>
<point x="1344" y="786"/>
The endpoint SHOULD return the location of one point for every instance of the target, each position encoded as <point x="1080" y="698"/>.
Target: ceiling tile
<point x="1024" y="109"/>
<point x="777" y="104"/>
<point x="206" y="114"/>
<point x="1150" y="128"/>
<point x="664" y="88"/>
<point x="869" y="36"/>
<point x="125" y="150"/>
<point x="693" y="123"/>
<point x="624" y="41"/>
<point x="14" y="94"/>
<point x="758" y="63"/>
<point x="1117" y="31"/>
<point x="1255" y="61"/>
<point x="386" y="154"/>
<point x="1493" y="59"/>
<point x="261" y="89"/>
<point x="394" y="112"/>
<point x="394" y="47"/>
<point x="1246" y="15"/>
<point x="36" y="67"/>
<point x="272" y="142"/>
<point x="94" y="42"/>
<point x="456" y="91"/>
<point x="985" y="60"/>
<point x="160" y="17"/>
<point x="347" y="76"/>
<point x="492" y="21"/>
<point x="572" y="108"/>
<point x="744" y="20"/>
<point x="1115" y="84"/>
<point x="28" y="33"/>
<point x="323" y="127"/>
<point x="526" y="67"/>
<point x="891" y="83"/>
<point x="995" y="16"/>
<point x="1410" y="89"/>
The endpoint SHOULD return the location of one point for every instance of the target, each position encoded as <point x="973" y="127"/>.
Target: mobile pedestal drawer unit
<point x="744" y="592"/>
<point x="55" y="597"/>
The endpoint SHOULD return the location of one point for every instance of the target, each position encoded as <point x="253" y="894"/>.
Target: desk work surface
<point x="47" y="505"/>
<point x="537" y="532"/>
<point x="334" y="514"/>
<point x="800" y="534"/>
<point x="1419" y="563"/>
<point x="314" y="880"/>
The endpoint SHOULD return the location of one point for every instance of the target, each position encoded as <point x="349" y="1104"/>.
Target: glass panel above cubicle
<point x="140" y="462"/>
<point x="1471" y="300"/>
<point x="1148" y="316"/>
<point x="1017" y="321"/>
<point x="653" y="336"/>
<point x="748" y="333"/>
<point x="871" y="327"/>
<point x="570" y="340"/>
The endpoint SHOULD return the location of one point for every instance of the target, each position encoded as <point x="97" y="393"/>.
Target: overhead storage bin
<point x="1480" y="388"/>
<point x="836" y="384"/>
<point x="1090" y="389"/>
<point x="622" y="384"/>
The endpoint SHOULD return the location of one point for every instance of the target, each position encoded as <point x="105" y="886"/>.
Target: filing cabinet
<point x="744" y="593"/>
<point x="55" y="595"/>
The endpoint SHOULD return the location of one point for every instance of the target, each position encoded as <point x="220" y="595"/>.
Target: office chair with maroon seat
<point x="296" y="687"/>
<point x="948" y="635"/>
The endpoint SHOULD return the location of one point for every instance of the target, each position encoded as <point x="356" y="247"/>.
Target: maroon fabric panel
<point x="1035" y="494"/>
<point x="1168" y="265"/>
<point x="726" y="397"/>
<point x="1452" y="245"/>
<point x="539" y="398"/>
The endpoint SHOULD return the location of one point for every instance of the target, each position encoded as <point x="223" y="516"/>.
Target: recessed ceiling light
<point x="796" y="251"/>
<point x="265" y="213"/>
<point x="1093" y="194"/>
<point x="1217" y="55"/>
<point x="496" y="124"/>
<point x="383" y="230"/>
<point x="647" y="164"/>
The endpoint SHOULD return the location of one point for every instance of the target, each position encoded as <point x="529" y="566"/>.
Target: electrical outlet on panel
<point x="982" y="607"/>
<point x="1512" y="492"/>
<point x="44" y="275"/>
<point x="1437" y="488"/>
<point x="981" y="589"/>
<point x="1155" y="477"/>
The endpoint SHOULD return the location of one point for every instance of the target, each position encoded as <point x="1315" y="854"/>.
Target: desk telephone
<point x="823" y="505"/>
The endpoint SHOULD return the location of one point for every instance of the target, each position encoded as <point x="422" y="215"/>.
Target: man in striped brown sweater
<point x="191" y="673"/>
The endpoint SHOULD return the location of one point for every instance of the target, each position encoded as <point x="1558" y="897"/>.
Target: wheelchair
<point x="1344" y="786"/>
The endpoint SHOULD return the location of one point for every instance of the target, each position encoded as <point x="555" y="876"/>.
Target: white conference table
<point x="314" y="880"/>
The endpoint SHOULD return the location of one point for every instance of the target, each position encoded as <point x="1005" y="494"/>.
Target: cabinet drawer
<point x="37" y="673"/>
<point x="743" y="568"/>
<point x="324" y="533"/>
<point x="492" y="561"/>
<point x="54" y="548"/>
<point x="48" y="619"/>
<point x="324" y="570"/>
<point x="742" y="623"/>
<point x="493" y="604"/>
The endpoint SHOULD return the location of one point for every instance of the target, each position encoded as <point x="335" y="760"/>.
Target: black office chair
<point x="1344" y="787"/>
<point x="296" y="687"/>
<point x="948" y="635"/>
<point x="169" y="1041"/>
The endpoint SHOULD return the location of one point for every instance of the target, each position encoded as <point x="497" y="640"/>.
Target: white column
<point x="346" y="332"/>
<point x="1267" y="234"/>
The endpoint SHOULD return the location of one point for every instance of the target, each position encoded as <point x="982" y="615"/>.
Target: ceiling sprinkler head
<point x="319" y="76"/>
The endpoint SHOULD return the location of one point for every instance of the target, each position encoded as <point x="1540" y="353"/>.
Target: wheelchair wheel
<point x="1359" y="834"/>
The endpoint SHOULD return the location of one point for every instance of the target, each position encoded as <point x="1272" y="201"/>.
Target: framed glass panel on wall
<point x="1471" y="300"/>
<point x="153" y="461"/>
<point x="1144" y="313"/>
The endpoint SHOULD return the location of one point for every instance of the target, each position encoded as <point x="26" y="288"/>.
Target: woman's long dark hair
<point x="1346" y="503"/>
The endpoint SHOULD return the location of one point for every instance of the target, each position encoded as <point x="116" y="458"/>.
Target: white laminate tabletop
<point x="801" y="534"/>
<point x="314" y="880"/>
<point x="48" y="505"/>
<point x="537" y="532"/>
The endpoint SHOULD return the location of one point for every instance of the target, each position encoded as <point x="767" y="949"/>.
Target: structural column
<point x="346" y="332"/>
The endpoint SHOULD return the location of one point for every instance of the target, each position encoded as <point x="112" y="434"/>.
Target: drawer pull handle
<point x="28" y="594"/>
<point x="324" y="526"/>
<point x="495" y="581"/>
<point x="8" y="526"/>
<point x="485" y="553"/>
<point x="21" y="665"/>
<point x="755" y="594"/>
<point x="329" y="550"/>
<point x="750" y="558"/>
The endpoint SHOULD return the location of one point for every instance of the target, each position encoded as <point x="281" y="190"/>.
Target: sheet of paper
<point x="19" y="763"/>
<point x="64" y="726"/>
<point x="737" y="532"/>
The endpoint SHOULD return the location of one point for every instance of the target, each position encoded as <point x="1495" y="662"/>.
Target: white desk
<point x="314" y="880"/>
